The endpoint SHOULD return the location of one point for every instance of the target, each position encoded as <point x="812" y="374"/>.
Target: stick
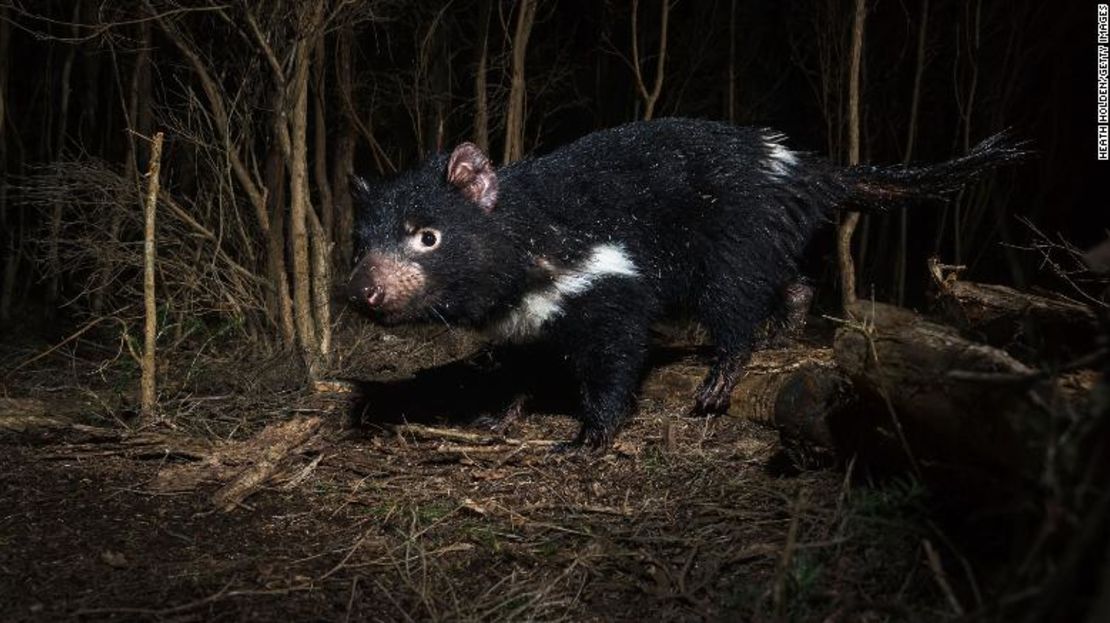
<point x="941" y="577"/>
<point x="280" y="439"/>
<point x="433" y="433"/>
<point x="149" y="389"/>
<point x="848" y="224"/>
<point x="778" y="590"/>
<point x="76" y="334"/>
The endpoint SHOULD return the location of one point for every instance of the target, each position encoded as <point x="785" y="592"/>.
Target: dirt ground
<point x="685" y="519"/>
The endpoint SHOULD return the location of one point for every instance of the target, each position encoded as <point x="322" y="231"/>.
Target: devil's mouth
<point x="383" y="316"/>
<point x="386" y="315"/>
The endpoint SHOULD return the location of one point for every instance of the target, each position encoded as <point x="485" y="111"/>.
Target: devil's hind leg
<point x="731" y="315"/>
<point x="788" y="320"/>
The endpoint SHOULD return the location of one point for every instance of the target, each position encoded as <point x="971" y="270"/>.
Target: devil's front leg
<point x="605" y="340"/>
<point x="502" y="421"/>
<point x="608" y="392"/>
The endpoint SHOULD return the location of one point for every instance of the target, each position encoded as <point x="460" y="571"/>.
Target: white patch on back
<point x="779" y="159"/>
<point x="539" y="306"/>
<point x="610" y="259"/>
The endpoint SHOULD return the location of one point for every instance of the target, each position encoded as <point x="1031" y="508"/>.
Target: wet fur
<point x="713" y="220"/>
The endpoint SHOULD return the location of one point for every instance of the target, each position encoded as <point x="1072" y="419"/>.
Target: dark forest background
<point x="267" y="107"/>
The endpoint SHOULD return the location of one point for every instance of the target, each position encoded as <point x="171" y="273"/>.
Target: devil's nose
<point x="375" y="296"/>
<point x="372" y="295"/>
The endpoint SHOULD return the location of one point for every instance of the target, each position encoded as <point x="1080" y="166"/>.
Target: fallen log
<point x="948" y="402"/>
<point x="814" y="413"/>
<point x="1048" y="325"/>
<point x="796" y="390"/>
<point x="754" y="396"/>
<point x="34" y="420"/>
<point x="30" y="420"/>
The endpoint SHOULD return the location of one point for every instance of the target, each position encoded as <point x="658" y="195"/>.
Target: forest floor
<point x="684" y="519"/>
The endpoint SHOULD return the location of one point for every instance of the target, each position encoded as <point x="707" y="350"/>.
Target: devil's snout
<point x="382" y="283"/>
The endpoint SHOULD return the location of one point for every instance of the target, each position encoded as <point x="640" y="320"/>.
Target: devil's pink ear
<point x="471" y="172"/>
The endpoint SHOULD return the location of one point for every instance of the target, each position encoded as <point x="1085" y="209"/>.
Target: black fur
<point x="714" y="217"/>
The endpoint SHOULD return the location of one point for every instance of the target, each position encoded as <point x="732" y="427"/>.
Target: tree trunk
<point x="320" y="151"/>
<point x="298" y="220"/>
<point x="481" y="97"/>
<point x="5" y="67"/>
<point x="138" y="100"/>
<point x="967" y="112"/>
<point x="53" y="286"/>
<point x="848" y="224"/>
<point x="9" y="242"/>
<point x="321" y="287"/>
<point x="300" y="204"/>
<point x="514" y="118"/>
<point x="911" y="138"/>
<point x="343" y="164"/>
<point x="650" y="98"/>
<point x="732" y="62"/>
<point x="321" y="227"/>
<point x="11" y="262"/>
<point x="343" y="167"/>
<point x="281" y="305"/>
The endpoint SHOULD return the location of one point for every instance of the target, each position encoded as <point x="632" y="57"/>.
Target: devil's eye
<point x="424" y="239"/>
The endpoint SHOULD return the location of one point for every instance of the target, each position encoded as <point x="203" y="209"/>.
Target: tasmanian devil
<point x="589" y="245"/>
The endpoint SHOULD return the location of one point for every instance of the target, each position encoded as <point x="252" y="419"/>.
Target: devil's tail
<point x="872" y="188"/>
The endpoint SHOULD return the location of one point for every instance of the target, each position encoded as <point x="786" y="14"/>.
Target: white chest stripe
<point x="539" y="306"/>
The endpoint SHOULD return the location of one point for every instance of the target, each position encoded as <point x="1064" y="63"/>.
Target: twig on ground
<point x="941" y="577"/>
<point x="283" y="439"/>
<point x="76" y="334"/>
<point x="778" y="591"/>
